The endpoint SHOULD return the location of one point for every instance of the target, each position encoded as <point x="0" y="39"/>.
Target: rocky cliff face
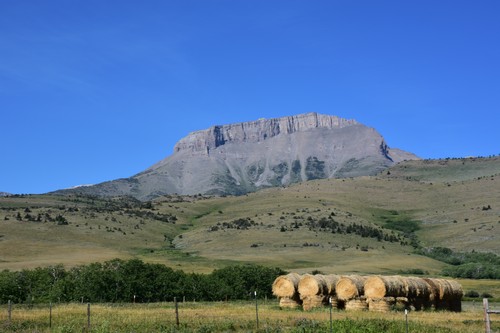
<point x="240" y="158"/>
<point x="257" y="131"/>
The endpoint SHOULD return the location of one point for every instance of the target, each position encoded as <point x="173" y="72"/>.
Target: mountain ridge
<point x="239" y="158"/>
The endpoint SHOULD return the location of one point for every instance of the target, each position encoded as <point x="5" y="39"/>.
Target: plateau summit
<point x="239" y="158"/>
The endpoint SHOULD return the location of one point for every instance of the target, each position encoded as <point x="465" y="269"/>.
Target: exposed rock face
<point x="257" y="131"/>
<point x="240" y="158"/>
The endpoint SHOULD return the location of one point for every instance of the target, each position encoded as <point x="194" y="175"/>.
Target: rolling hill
<point x="368" y="224"/>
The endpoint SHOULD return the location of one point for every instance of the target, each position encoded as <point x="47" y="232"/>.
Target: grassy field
<point x="234" y="317"/>
<point x="451" y="203"/>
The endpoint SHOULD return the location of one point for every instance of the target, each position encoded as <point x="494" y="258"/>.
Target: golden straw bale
<point x="313" y="301"/>
<point x="288" y="302"/>
<point x="356" y="304"/>
<point x="349" y="287"/>
<point x="310" y="285"/>
<point x="416" y="288"/>
<point x="418" y="292"/>
<point x="286" y="285"/>
<point x="331" y="282"/>
<point x="381" y="304"/>
<point x="433" y="298"/>
<point x="384" y="286"/>
<point x="450" y="295"/>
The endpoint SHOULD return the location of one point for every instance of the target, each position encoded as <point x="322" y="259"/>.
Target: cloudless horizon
<point x="95" y="90"/>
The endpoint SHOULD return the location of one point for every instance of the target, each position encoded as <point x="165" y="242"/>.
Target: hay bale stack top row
<point x="378" y="293"/>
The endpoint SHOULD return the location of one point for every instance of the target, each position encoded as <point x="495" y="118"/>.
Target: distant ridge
<point x="4" y="194"/>
<point x="239" y="158"/>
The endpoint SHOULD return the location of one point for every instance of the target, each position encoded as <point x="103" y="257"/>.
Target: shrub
<point x="471" y="294"/>
<point x="486" y="295"/>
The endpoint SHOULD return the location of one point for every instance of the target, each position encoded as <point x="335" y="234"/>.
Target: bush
<point x="123" y="281"/>
<point x="472" y="294"/>
<point x="486" y="295"/>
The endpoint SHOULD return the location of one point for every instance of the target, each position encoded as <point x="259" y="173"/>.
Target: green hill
<point x="366" y="224"/>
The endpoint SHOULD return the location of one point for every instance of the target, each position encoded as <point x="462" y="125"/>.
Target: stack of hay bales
<point x="412" y="292"/>
<point x="350" y="289"/>
<point x="331" y="283"/>
<point x="376" y="293"/>
<point x="417" y="292"/>
<point x="313" y="291"/>
<point x="383" y="291"/>
<point x="285" y="287"/>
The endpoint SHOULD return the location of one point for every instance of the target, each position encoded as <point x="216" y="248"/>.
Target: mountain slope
<point x="240" y="158"/>
<point x="335" y="225"/>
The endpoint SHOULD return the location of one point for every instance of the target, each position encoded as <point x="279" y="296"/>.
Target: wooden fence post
<point x="256" y="309"/>
<point x="487" y="312"/>
<point x="406" y="319"/>
<point x="50" y="315"/>
<point x="9" y="310"/>
<point x="176" y="312"/>
<point x="331" y="316"/>
<point x="88" y="317"/>
<point x="486" y="315"/>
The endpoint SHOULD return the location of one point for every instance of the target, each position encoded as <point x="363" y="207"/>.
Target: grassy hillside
<point x="365" y="225"/>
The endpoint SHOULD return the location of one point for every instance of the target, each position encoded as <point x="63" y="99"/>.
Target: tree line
<point x="134" y="281"/>
<point x="468" y="265"/>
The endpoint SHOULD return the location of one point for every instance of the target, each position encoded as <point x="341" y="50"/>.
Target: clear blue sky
<point x="96" y="90"/>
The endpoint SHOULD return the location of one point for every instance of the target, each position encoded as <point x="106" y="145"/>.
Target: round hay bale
<point x="288" y="302"/>
<point x="286" y="285"/>
<point x="416" y="288"/>
<point x="418" y="292"/>
<point x="313" y="301"/>
<point x="381" y="304"/>
<point x="356" y="304"/>
<point x="310" y="285"/>
<point x="433" y="298"/>
<point x="450" y="295"/>
<point x="350" y="287"/>
<point x="331" y="282"/>
<point x="376" y="287"/>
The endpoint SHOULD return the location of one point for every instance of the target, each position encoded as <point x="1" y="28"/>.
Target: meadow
<point x="234" y="317"/>
<point x="367" y="225"/>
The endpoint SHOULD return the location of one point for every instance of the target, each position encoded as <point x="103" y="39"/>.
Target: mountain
<point x="4" y="194"/>
<point x="240" y="158"/>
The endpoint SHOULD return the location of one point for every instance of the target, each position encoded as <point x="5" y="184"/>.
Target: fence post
<point x="50" y="315"/>
<point x="9" y="310"/>
<point x="88" y="317"/>
<point x="176" y="312"/>
<point x="331" y="316"/>
<point x="406" y="317"/>
<point x="486" y="315"/>
<point x="256" y="309"/>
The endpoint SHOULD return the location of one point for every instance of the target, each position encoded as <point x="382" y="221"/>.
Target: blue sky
<point x="97" y="90"/>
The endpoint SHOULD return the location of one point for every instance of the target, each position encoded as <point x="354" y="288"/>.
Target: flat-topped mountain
<point x="240" y="158"/>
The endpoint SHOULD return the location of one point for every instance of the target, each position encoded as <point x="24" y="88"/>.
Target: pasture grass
<point x="449" y="203"/>
<point x="234" y="317"/>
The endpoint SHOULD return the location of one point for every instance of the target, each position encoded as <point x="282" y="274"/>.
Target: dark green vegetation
<point x="133" y="280"/>
<point x="384" y="224"/>
<point x="473" y="265"/>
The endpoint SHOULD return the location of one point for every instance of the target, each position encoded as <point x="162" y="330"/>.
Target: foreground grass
<point x="233" y="317"/>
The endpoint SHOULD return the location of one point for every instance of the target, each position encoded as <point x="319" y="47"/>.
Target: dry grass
<point x="221" y="317"/>
<point x="450" y="210"/>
